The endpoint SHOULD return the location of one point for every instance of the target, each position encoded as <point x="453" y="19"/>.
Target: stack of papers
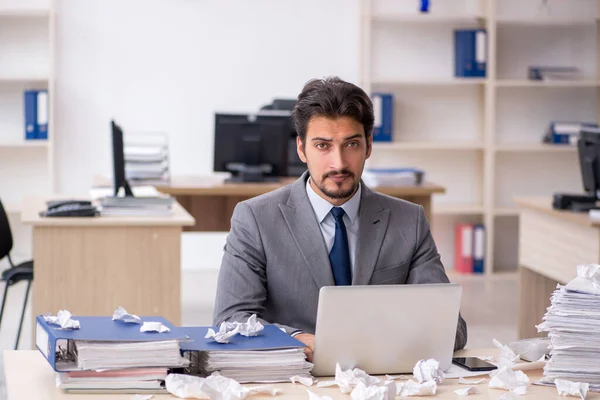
<point x="146" y="158"/>
<point x="255" y="366"/>
<point x="146" y="205"/>
<point x="270" y="356"/>
<point x="145" y="380"/>
<point x="123" y="353"/>
<point x="111" y="355"/>
<point x="392" y="177"/>
<point x="573" y="325"/>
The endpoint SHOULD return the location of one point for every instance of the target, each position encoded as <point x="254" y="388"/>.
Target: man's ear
<point x="300" y="149"/>
<point x="369" y="146"/>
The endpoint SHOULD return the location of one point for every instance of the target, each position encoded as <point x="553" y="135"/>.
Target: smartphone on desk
<point x="473" y="364"/>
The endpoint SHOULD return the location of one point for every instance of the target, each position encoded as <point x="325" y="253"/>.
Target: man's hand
<point x="308" y="340"/>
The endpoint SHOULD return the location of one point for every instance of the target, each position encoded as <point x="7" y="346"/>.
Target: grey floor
<point x="489" y="307"/>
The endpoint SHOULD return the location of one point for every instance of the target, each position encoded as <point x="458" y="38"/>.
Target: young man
<point x="327" y="228"/>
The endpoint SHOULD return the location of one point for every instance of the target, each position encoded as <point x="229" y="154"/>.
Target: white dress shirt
<point x="322" y="210"/>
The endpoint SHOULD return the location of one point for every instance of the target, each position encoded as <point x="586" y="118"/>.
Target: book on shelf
<point x="35" y="110"/>
<point x="469" y="253"/>
<point x="470" y="53"/>
<point x="565" y="132"/>
<point x="383" y="107"/>
<point x="554" y="73"/>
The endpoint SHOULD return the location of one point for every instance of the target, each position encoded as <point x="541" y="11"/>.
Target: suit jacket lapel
<point x="302" y="222"/>
<point x="373" y="223"/>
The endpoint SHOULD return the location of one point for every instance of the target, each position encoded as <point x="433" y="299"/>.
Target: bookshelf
<point x="26" y="166"/>
<point x="481" y="137"/>
<point x="26" y="43"/>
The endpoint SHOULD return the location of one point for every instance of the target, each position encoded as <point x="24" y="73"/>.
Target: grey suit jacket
<point x="276" y="261"/>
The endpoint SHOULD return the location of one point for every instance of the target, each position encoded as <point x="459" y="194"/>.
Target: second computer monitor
<point x="253" y="147"/>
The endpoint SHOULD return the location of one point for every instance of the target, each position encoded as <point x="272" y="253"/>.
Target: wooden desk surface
<point x="544" y="204"/>
<point x="33" y="205"/>
<point x="29" y="376"/>
<point x="210" y="186"/>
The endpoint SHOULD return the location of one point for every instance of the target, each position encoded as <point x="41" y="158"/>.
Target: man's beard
<point x="338" y="194"/>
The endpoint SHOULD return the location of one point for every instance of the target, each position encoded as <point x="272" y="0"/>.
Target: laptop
<point x="385" y="329"/>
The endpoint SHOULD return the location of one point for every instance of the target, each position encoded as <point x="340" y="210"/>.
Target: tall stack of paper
<point x="573" y="325"/>
<point x="271" y="356"/>
<point x="100" y="354"/>
<point x="146" y="158"/>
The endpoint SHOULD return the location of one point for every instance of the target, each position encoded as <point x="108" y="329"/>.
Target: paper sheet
<point x="303" y="380"/>
<point x="225" y="333"/>
<point x="314" y="396"/>
<point x="142" y="397"/>
<point x="568" y="388"/>
<point x="250" y="328"/>
<point x="63" y="319"/>
<point x="506" y="356"/>
<point x="121" y="314"/>
<point x="412" y="388"/>
<point x="587" y="280"/>
<point x="466" y="391"/>
<point x="373" y="392"/>
<point x="348" y="379"/>
<point x="507" y="379"/>
<point x="154" y="327"/>
<point x="428" y="370"/>
<point x="214" y="387"/>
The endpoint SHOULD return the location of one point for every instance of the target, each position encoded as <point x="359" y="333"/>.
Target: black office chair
<point x="16" y="273"/>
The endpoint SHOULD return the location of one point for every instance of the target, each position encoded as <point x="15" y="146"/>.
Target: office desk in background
<point x="551" y="245"/>
<point x="90" y="266"/>
<point x="211" y="202"/>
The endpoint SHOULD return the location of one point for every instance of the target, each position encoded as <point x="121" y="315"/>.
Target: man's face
<point x="335" y="152"/>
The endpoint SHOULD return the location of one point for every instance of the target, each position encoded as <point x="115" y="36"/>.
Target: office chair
<point x="14" y="274"/>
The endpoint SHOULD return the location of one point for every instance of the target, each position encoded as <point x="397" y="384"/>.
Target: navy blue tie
<point x="340" y="253"/>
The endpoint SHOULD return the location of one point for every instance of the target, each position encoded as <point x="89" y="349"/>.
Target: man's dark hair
<point x="332" y="98"/>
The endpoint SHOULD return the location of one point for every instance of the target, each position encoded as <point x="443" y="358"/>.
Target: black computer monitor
<point x="253" y="147"/>
<point x="589" y="160"/>
<point x="119" y="160"/>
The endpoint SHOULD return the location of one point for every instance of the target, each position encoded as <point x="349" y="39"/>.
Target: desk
<point x="29" y="376"/>
<point x="211" y="202"/>
<point x="551" y="245"/>
<point x="90" y="266"/>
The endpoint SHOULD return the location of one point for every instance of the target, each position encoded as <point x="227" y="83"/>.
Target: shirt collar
<point x="322" y="207"/>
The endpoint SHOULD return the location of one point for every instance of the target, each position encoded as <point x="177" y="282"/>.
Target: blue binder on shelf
<point x="270" y="338"/>
<point x="51" y="339"/>
<point x="30" y="100"/>
<point x="470" y="53"/>
<point x="383" y="106"/>
<point x="563" y="132"/>
<point x="42" y="114"/>
<point x="478" y="248"/>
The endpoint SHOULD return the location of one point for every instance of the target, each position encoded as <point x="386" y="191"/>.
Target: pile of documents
<point x="137" y="206"/>
<point x="150" y="380"/>
<point x="573" y="325"/>
<point x="147" y="158"/>
<point x="392" y="177"/>
<point x="270" y="355"/>
<point x="122" y="354"/>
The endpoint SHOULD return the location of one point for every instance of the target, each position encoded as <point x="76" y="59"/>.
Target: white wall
<point x="169" y="65"/>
